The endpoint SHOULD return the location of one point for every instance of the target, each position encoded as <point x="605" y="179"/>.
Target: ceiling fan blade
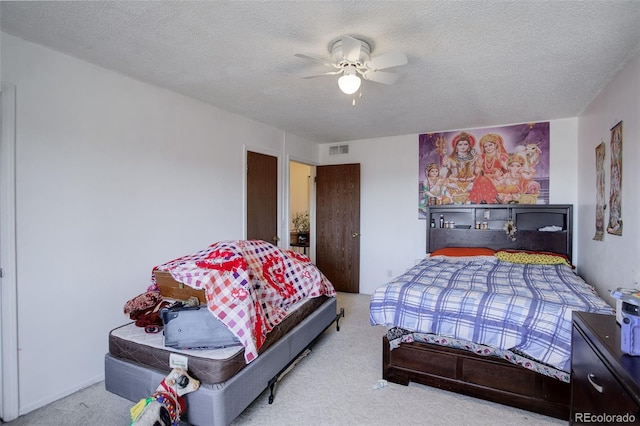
<point x="323" y="74"/>
<point x="386" y="60"/>
<point x="322" y="61"/>
<point x="381" y="77"/>
<point x="351" y="48"/>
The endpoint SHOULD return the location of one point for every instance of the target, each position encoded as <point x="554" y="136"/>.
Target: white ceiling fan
<point x="351" y="58"/>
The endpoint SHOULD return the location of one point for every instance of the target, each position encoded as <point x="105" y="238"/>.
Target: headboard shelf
<point x="528" y="219"/>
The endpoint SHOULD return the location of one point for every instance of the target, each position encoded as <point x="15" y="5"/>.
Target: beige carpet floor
<point x="333" y="385"/>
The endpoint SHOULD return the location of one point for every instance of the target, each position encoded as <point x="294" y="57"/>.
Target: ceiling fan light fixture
<point x="351" y="60"/>
<point x="349" y="82"/>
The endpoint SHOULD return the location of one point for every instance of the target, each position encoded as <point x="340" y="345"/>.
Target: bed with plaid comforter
<point x="522" y="307"/>
<point x="249" y="285"/>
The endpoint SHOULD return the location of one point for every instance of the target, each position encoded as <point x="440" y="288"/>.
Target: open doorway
<point x="300" y="207"/>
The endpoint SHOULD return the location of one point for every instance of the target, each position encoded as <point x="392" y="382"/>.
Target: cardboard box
<point x="173" y="289"/>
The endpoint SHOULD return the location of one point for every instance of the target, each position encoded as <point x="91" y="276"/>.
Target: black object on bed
<point x="193" y="327"/>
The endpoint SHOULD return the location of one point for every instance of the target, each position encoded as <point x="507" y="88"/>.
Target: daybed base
<point x="220" y="403"/>
<point x="488" y="378"/>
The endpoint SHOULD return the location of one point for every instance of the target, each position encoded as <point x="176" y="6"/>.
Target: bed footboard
<point x="488" y="378"/>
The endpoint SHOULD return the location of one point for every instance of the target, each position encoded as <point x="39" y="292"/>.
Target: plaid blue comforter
<point x="521" y="307"/>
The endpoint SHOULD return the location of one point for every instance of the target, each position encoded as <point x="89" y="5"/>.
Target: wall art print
<point x="495" y="165"/>
<point x="600" y="200"/>
<point x="615" y="194"/>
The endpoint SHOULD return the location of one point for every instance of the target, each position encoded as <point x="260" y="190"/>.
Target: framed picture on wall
<point x="496" y="165"/>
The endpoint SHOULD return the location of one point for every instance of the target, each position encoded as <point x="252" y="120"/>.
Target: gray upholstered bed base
<point x="220" y="403"/>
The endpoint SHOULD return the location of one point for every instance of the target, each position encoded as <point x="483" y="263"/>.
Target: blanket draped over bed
<point x="249" y="284"/>
<point x="523" y="307"/>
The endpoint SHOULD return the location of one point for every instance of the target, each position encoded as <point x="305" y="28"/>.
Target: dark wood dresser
<point x="605" y="382"/>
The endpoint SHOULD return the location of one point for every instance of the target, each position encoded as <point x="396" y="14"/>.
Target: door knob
<point x="276" y="239"/>
<point x="355" y="234"/>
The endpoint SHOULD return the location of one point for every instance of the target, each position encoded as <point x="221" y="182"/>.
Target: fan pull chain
<point x="353" y="102"/>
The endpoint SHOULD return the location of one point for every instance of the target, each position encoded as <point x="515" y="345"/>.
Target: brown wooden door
<point x="338" y="225"/>
<point x="262" y="197"/>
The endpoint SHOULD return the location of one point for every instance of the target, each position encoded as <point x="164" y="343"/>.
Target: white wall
<point x="113" y="177"/>
<point x="613" y="262"/>
<point x="393" y="238"/>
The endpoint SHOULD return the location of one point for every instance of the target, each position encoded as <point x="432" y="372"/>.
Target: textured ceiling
<point x="471" y="63"/>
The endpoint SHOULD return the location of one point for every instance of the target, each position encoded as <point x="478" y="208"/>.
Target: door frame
<point x="245" y="149"/>
<point x="9" y="384"/>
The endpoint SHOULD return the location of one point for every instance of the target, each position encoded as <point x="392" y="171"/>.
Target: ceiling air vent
<point x="339" y="150"/>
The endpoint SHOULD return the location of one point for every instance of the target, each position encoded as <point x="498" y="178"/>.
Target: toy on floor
<point x="167" y="402"/>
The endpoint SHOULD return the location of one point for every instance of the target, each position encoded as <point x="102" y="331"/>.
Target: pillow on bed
<point x="463" y="251"/>
<point x="532" y="257"/>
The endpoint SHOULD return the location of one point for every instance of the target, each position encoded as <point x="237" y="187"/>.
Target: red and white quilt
<point x="249" y="284"/>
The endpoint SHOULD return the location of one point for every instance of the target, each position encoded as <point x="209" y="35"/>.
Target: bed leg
<point x="340" y="314"/>
<point x="272" y="385"/>
<point x="305" y="352"/>
<point x="289" y="367"/>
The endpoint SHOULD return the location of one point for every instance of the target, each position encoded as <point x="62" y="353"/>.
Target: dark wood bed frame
<point x="460" y="371"/>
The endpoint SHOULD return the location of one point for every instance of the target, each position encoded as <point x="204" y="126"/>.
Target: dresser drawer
<point x="594" y="388"/>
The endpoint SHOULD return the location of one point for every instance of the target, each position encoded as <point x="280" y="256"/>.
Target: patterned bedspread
<point x="523" y="307"/>
<point x="249" y="285"/>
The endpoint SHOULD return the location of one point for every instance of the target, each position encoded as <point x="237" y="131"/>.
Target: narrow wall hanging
<point x="615" y="196"/>
<point x="600" y="201"/>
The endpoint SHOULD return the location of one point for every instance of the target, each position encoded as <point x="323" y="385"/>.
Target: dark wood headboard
<point x="528" y="219"/>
